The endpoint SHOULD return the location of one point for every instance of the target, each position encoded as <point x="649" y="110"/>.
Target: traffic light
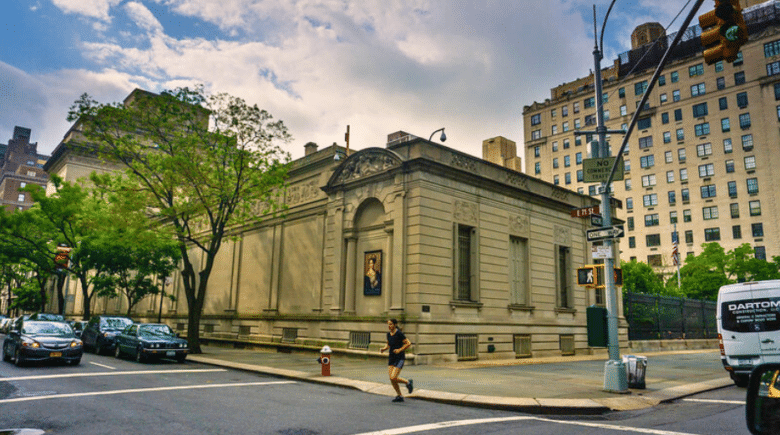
<point x="723" y="31"/>
<point x="62" y="257"/>
<point x="592" y="276"/>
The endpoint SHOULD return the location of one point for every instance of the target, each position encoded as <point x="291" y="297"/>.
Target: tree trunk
<point x="60" y="295"/>
<point x="86" y="297"/>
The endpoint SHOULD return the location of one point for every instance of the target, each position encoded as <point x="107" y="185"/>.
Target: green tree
<point x="640" y="278"/>
<point x="703" y="275"/>
<point x="743" y="266"/>
<point x="208" y="163"/>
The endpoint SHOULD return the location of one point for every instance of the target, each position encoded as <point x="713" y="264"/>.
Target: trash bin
<point x="636" y="366"/>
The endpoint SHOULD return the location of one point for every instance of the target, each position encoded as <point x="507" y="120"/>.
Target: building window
<point x="742" y="100"/>
<point x="729" y="166"/>
<point x="567" y="178"/>
<point x="639" y="88"/>
<point x="651" y="220"/>
<point x="707" y="170"/>
<point x="566" y="144"/>
<point x="750" y="163"/>
<point x="747" y="142"/>
<point x="725" y="125"/>
<point x="553" y="129"/>
<point x="678" y="115"/>
<point x="647" y="161"/>
<point x="680" y="134"/>
<point x="675" y="76"/>
<point x="590" y="119"/>
<point x="565" y="126"/>
<point x="537" y="168"/>
<point x="721" y="82"/>
<point x="670" y="176"/>
<point x="702" y="129"/>
<point x="556" y="180"/>
<point x="555" y="163"/>
<point x="732" y="186"/>
<point x="734" y="207"/>
<point x="672" y="217"/>
<point x="708" y="191"/>
<point x="630" y="223"/>
<point x="555" y="146"/>
<point x="577" y="126"/>
<point x="711" y="234"/>
<point x="589" y="102"/>
<point x="563" y="277"/>
<point x="623" y="110"/>
<point x="752" y="186"/>
<point x="30" y="173"/>
<point x="645" y="142"/>
<point x="566" y="161"/>
<point x="696" y="70"/>
<point x="704" y="149"/>
<point x="686" y="215"/>
<point x="648" y="180"/>
<point x="700" y="110"/>
<point x="772" y="48"/>
<point x="536" y="134"/>
<point x="689" y="237"/>
<point x="723" y="103"/>
<point x="22" y="184"/>
<point x="672" y="197"/>
<point x="744" y="121"/>
<point x="518" y="271"/>
<point x="668" y="157"/>
<point x="684" y="174"/>
<point x="663" y="98"/>
<point x="727" y="147"/>
<point x="760" y="252"/>
<point x="629" y="203"/>
<point x="650" y="200"/>
<point x="466" y="264"/>
<point x="676" y="95"/>
<point x="580" y="176"/>
<point x="536" y="119"/>
<point x="653" y="240"/>
<point x="739" y="78"/>
<point x="738" y="61"/>
<point x="736" y="232"/>
<point x="755" y="208"/>
<point x="575" y="108"/>
<point x="644" y="123"/>
<point x="662" y="80"/>
<point x="698" y="89"/>
<point x="665" y="118"/>
<point x="537" y="151"/>
<point x="553" y="113"/>
<point x="710" y="213"/>
<point x="757" y="229"/>
<point x="777" y="91"/>
<point x="20" y="198"/>
<point x="631" y="242"/>
<point x="622" y="93"/>
<point x="685" y="195"/>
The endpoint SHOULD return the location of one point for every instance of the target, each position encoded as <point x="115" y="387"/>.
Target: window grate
<point x="208" y="329"/>
<point x="466" y="346"/>
<point x="567" y="344"/>
<point x="522" y="345"/>
<point x="244" y="330"/>
<point x="289" y="335"/>
<point x="359" y="339"/>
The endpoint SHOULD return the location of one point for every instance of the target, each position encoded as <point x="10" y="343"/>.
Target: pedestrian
<point x="397" y="343"/>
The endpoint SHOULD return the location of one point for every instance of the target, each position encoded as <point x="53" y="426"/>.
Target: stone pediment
<point x="365" y="163"/>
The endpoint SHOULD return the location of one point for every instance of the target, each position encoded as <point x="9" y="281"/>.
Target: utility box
<point x="597" y="326"/>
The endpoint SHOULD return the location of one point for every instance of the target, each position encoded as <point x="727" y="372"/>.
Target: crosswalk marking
<point x="132" y="372"/>
<point x="728" y="402"/>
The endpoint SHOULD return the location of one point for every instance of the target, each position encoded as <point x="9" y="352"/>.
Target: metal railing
<point x="652" y="317"/>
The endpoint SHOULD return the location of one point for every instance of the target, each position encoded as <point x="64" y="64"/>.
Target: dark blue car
<point x="145" y="341"/>
<point x="35" y="340"/>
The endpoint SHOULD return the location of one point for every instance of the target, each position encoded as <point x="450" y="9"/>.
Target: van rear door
<point x="738" y="330"/>
<point x="767" y="319"/>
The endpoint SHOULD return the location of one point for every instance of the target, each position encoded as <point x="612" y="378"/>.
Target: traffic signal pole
<point x="615" y="375"/>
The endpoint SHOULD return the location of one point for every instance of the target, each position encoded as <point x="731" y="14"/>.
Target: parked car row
<point x="48" y="337"/>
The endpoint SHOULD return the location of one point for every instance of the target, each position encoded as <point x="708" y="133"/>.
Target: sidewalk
<point x="537" y="385"/>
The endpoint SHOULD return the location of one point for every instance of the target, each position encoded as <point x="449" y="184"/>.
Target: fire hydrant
<point x="324" y="360"/>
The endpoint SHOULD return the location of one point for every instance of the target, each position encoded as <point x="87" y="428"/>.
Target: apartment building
<point x="703" y="153"/>
<point x="20" y="165"/>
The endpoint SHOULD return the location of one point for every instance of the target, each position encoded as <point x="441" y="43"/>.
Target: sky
<point x="378" y="66"/>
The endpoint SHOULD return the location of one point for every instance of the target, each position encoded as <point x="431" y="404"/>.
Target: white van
<point x="748" y="317"/>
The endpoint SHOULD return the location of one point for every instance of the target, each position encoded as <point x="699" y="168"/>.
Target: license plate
<point x="55" y="354"/>
<point x="170" y="353"/>
<point x="745" y="361"/>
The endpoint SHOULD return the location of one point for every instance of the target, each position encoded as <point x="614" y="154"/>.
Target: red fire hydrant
<point x="324" y="360"/>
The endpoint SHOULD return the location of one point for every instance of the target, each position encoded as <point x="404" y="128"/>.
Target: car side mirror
<point x="762" y="410"/>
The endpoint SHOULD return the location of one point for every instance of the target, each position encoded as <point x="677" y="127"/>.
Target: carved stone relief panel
<point x="464" y="162"/>
<point x="517" y="180"/>
<point x="303" y="192"/>
<point x="559" y="194"/>
<point x="562" y="235"/>
<point x="466" y="213"/>
<point x="364" y="165"/>
<point x="520" y="225"/>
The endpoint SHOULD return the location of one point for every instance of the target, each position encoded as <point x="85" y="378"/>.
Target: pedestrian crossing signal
<point x="592" y="276"/>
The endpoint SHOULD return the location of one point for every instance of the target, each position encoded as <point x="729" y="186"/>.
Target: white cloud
<point x="89" y="8"/>
<point x="142" y="16"/>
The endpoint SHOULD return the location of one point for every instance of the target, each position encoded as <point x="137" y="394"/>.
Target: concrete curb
<point x="628" y="402"/>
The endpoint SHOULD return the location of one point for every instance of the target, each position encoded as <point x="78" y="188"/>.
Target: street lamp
<point x="443" y="136"/>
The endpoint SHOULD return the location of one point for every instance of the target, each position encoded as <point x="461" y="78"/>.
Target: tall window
<point x="645" y="142"/>
<point x="708" y="191"/>
<point x="752" y="185"/>
<point x="686" y="215"/>
<point x="747" y="142"/>
<point x="700" y="110"/>
<point x="536" y="119"/>
<point x="563" y="277"/>
<point x="750" y="163"/>
<point x="651" y="220"/>
<point x="672" y="197"/>
<point x="725" y="125"/>
<point x="698" y="89"/>
<point x="650" y="200"/>
<point x="742" y="100"/>
<point x="696" y="70"/>
<point x="702" y="129"/>
<point x="639" y="88"/>
<point x="739" y="78"/>
<point x="518" y="270"/>
<point x="757" y="230"/>
<point x="755" y="208"/>
<point x="704" y="149"/>
<point x="647" y="161"/>
<point x="465" y="262"/>
<point x="711" y="234"/>
<point x="732" y="186"/>
<point x="744" y="120"/>
<point x="727" y="146"/>
<point x="709" y="213"/>
<point x="734" y="207"/>
<point x="707" y="170"/>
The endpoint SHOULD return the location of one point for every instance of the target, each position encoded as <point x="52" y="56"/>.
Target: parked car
<point x="5" y="324"/>
<point x="78" y="326"/>
<point x="38" y="340"/>
<point x="47" y="316"/>
<point x="101" y="331"/>
<point x="145" y="341"/>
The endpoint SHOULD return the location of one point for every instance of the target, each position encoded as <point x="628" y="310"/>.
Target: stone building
<point x="20" y="165"/>
<point x="702" y="153"/>
<point x="476" y="260"/>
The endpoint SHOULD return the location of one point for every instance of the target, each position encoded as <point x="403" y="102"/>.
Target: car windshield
<point x="155" y="331"/>
<point x="47" y="328"/>
<point x="118" y="323"/>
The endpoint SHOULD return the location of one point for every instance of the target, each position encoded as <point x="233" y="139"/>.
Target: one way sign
<point x="612" y="232"/>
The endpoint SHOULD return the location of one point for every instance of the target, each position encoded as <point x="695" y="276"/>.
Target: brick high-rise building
<point x="20" y="165"/>
<point x="702" y="154"/>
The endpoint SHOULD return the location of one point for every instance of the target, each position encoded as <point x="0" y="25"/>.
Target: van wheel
<point x="741" y="381"/>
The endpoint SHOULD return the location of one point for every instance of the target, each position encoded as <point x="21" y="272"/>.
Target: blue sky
<point x="319" y="65"/>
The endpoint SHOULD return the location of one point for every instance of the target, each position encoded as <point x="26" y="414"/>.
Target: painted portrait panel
<point x="372" y="273"/>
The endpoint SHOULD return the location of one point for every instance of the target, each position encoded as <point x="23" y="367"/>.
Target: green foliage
<point x="204" y="163"/>
<point x="640" y="278"/>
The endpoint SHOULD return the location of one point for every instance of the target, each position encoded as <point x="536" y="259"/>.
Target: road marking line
<point x="104" y="366"/>
<point x="729" y="402"/>
<point x="446" y="424"/>
<point x="141" y="390"/>
<point x="134" y="372"/>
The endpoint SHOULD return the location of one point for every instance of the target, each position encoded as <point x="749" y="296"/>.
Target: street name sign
<point x="585" y="212"/>
<point x="597" y="170"/>
<point x="596" y="220"/>
<point x="612" y="232"/>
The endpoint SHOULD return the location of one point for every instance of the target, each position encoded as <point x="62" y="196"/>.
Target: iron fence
<point x="652" y="317"/>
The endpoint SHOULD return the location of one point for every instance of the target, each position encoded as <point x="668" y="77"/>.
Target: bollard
<point x="324" y="360"/>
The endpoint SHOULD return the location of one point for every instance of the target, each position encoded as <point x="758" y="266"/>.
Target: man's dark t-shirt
<point x="396" y="341"/>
